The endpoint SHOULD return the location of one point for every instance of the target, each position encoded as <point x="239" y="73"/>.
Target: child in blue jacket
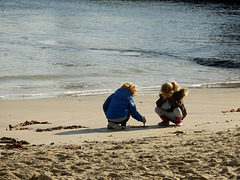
<point x="120" y="105"/>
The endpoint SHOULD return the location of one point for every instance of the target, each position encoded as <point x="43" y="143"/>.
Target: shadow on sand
<point x="105" y="130"/>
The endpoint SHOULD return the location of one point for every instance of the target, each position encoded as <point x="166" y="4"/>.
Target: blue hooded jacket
<point x="120" y="104"/>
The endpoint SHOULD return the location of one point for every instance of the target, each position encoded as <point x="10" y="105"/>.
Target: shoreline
<point x="105" y="92"/>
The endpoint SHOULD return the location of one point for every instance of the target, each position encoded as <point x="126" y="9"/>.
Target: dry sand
<point x="206" y="147"/>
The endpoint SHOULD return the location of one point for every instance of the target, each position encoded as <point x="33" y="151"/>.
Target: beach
<point x="60" y="60"/>
<point x="205" y="147"/>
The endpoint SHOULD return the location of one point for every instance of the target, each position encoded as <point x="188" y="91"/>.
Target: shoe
<point x="163" y="123"/>
<point x="109" y="127"/>
<point x="179" y="123"/>
<point x="114" y="126"/>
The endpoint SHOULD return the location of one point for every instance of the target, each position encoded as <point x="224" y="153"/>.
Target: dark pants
<point x="124" y="122"/>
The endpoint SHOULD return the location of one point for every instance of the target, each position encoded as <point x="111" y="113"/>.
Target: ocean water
<point x="52" y="48"/>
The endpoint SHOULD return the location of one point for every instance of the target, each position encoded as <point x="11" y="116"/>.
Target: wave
<point x="235" y="84"/>
<point x="202" y="61"/>
<point x="136" y="70"/>
<point x="32" y="77"/>
<point x="95" y="92"/>
<point x="217" y="62"/>
<point x="73" y="65"/>
<point x="132" y="52"/>
<point x="57" y="94"/>
<point x="25" y="96"/>
<point x="64" y="64"/>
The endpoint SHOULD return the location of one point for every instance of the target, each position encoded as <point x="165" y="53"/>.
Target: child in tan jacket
<point x="170" y="106"/>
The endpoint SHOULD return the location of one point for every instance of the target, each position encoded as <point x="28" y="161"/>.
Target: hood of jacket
<point x="123" y="94"/>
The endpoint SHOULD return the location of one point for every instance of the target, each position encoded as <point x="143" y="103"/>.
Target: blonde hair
<point x="175" y="86"/>
<point x="185" y="91"/>
<point x="168" y="88"/>
<point x="130" y="87"/>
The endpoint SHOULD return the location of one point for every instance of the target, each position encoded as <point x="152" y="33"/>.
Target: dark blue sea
<point x="55" y="48"/>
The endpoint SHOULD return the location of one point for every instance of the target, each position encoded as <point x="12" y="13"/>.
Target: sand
<point x="206" y="147"/>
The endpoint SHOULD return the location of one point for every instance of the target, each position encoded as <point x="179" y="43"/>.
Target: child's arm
<point x="133" y="111"/>
<point x="106" y="104"/>
<point x="174" y="103"/>
<point x="160" y="101"/>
